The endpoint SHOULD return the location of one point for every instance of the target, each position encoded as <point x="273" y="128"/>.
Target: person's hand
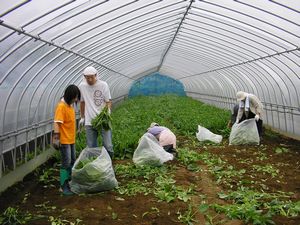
<point x="55" y="141"/>
<point x="81" y="122"/>
<point x="256" y="117"/>
<point x="237" y="121"/>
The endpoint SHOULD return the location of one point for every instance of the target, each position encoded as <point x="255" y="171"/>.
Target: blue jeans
<point x="92" y="135"/>
<point x="68" y="155"/>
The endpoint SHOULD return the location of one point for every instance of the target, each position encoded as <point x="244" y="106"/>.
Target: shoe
<point x="261" y="138"/>
<point x="66" y="190"/>
<point x="64" y="184"/>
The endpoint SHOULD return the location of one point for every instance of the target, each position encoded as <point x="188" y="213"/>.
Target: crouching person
<point x="65" y="133"/>
<point x="165" y="137"/>
<point x="250" y="107"/>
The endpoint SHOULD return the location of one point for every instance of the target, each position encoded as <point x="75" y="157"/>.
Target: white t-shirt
<point x="94" y="97"/>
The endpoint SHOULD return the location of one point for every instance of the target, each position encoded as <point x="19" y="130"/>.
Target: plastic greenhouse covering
<point x="210" y="48"/>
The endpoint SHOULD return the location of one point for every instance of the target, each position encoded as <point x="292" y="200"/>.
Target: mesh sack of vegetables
<point x="102" y="120"/>
<point x="244" y="133"/>
<point x="149" y="152"/>
<point x="93" y="172"/>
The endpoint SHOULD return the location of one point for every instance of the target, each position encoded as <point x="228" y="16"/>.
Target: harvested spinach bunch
<point x="102" y="120"/>
<point x="83" y="162"/>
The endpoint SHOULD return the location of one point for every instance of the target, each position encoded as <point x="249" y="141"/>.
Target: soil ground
<point x="112" y="208"/>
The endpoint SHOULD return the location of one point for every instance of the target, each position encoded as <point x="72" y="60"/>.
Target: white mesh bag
<point x="96" y="175"/>
<point x="206" y="135"/>
<point x="149" y="152"/>
<point x="244" y="133"/>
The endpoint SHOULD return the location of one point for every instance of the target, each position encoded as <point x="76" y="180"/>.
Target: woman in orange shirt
<point x="65" y="133"/>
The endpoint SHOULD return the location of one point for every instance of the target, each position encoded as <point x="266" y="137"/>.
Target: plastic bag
<point x="244" y="133"/>
<point x="206" y="135"/>
<point x="94" y="176"/>
<point x="149" y="152"/>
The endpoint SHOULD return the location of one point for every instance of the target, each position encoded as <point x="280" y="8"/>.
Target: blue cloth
<point x="156" y="130"/>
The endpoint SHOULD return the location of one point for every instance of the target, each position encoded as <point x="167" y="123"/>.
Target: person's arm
<point x="82" y="109"/>
<point x="56" y="127"/>
<point x="109" y="104"/>
<point x="56" y="136"/>
<point x="107" y="96"/>
<point x="239" y="114"/>
<point x="234" y="114"/>
<point x="230" y="123"/>
<point x="257" y="105"/>
<point x="82" y="113"/>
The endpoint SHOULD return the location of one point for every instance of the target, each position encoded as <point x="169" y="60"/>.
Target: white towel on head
<point x="245" y="104"/>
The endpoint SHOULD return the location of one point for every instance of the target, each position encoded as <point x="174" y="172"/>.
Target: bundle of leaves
<point x="102" y="120"/>
<point x="83" y="162"/>
<point x="14" y="216"/>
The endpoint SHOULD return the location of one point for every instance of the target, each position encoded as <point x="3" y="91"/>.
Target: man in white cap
<point x="249" y="107"/>
<point x="95" y="95"/>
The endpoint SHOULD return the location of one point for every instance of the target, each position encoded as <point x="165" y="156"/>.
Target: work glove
<point x="256" y="117"/>
<point x="55" y="141"/>
<point x="81" y="122"/>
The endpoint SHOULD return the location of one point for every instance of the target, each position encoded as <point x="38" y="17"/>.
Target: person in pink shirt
<point x="165" y="137"/>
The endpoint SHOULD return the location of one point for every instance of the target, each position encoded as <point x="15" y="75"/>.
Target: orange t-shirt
<point x="65" y="117"/>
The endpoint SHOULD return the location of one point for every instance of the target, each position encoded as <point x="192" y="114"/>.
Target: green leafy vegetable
<point x="84" y="162"/>
<point x="102" y="120"/>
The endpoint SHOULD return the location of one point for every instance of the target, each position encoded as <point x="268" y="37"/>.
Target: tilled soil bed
<point x="272" y="167"/>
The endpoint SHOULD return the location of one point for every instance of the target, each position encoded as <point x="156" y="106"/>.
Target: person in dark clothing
<point x="248" y="106"/>
<point x="251" y="107"/>
<point x="234" y="113"/>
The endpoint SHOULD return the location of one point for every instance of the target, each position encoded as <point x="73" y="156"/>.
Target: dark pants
<point x="259" y="125"/>
<point x="68" y="155"/>
<point x="91" y="139"/>
<point x="170" y="149"/>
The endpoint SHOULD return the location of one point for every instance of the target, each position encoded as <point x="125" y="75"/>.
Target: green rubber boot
<point x="64" y="178"/>
<point x="69" y="169"/>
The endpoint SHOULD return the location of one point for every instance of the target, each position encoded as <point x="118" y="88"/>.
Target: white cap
<point x="90" y="70"/>
<point x="240" y="95"/>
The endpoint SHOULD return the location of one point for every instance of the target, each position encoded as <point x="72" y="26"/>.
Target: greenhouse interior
<point x="221" y="76"/>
